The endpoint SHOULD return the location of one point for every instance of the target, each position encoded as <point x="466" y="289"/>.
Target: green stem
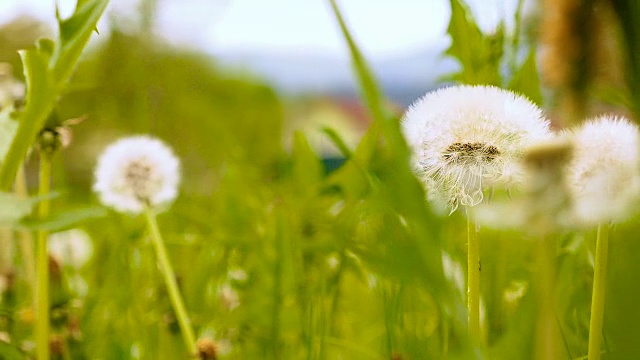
<point x="278" y="286"/>
<point x="170" y="281"/>
<point x="597" y="297"/>
<point x="42" y="279"/>
<point x="546" y="336"/>
<point x="473" y="282"/>
<point x="26" y="239"/>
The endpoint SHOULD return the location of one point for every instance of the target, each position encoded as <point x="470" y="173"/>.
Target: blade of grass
<point x="403" y="189"/>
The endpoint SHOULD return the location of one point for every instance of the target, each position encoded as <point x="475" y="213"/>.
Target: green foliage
<point x="628" y="12"/>
<point x="526" y="80"/>
<point x="46" y="70"/>
<point x="483" y="57"/>
<point x="478" y="54"/>
<point x="273" y="253"/>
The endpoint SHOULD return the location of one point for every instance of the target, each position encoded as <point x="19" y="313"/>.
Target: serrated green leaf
<point x="47" y="68"/>
<point x="74" y="35"/>
<point x="526" y="80"/>
<point x="479" y="55"/>
<point x="46" y="47"/>
<point x="40" y="101"/>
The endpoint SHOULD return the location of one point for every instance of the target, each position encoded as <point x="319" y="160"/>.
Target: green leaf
<point x="307" y="167"/>
<point x="8" y="129"/>
<point x="39" y="103"/>
<point x="479" y="55"/>
<point x="368" y="84"/>
<point x="74" y="34"/>
<point x="13" y="208"/>
<point x="338" y="142"/>
<point x="47" y="69"/>
<point x="383" y="156"/>
<point x="65" y="220"/>
<point x="526" y="80"/>
<point x="10" y="352"/>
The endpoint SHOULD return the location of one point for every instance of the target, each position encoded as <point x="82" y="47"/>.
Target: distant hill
<point x="403" y="78"/>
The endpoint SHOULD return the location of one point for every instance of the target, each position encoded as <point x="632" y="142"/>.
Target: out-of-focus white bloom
<point x="135" y="172"/>
<point x="228" y="297"/>
<point x="466" y="139"/>
<point x="72" y="247"/>
<point x="546" y="205"/>
<point x="604" y="170"/>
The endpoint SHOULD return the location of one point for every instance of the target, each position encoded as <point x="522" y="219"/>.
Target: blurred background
<point x="292" y="47"/>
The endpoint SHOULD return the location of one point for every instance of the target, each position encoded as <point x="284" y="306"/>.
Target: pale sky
<point x="381" y="27"/>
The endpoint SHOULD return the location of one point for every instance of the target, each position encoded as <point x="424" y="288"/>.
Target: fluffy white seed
<point x="466" y="139"/>
<point x="604" y="170"/>
<point x="136" y="172"/>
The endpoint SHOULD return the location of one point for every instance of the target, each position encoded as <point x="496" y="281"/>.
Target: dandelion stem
<point x="546" y="346"/>
<point x="170" y="281"/>
<point x="597" y="297"/>
<point x="473" y="282"/>
<point x="42" y="279"/>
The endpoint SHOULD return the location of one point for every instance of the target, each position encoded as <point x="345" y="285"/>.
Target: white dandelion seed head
<point x="466" y="139"/>
<point x="604" y="171"/>
<point x="135" y="172"/>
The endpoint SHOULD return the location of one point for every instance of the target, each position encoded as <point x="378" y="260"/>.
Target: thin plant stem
<point x="42" y="264"/>
<point x="277" y="287"/>
<point x="170" y="281"/>
<point x="546" y="336"/>
<point x="26" y="239"/>
<point x="473" y="279"/>
<point x="599" y="287"/>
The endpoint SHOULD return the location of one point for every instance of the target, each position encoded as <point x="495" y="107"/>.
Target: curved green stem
<point x="473" y="282"/>
<point x="597" y="297"/>
<point x="170" y="281"/>
<point x="42" y="262"/>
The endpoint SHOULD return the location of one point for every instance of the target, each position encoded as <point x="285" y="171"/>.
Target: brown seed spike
<point x="470" y="151"/>
<point x="138" y="175"/>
